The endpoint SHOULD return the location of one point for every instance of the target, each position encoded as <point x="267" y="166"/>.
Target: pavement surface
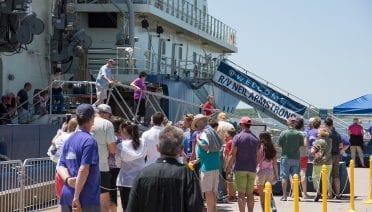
<point x="307" y="205"/>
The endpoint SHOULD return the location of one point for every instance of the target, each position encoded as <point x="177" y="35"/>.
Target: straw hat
<point x="197" y="119"/>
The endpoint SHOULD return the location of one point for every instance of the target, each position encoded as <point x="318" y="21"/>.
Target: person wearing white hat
<point x="103" y="132"/>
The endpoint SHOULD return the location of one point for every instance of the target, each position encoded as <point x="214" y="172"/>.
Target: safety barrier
<point x="27" y="186"/>
<point x="352" y="186"/>
<point x="324" y="179"/>
<point x="369" y="200"/>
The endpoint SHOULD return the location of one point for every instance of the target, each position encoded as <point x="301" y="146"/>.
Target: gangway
<point x="265" y="96"/>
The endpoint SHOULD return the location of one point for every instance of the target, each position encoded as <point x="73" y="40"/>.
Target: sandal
<point x="283" y="199"/>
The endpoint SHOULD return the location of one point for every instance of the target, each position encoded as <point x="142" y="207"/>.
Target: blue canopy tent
<point x="358" y="106"/>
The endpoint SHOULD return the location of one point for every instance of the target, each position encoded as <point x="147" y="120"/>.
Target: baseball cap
<point x="104" y="108"/>
<point x="85" y="111"/>
<point x="245" y="120"/>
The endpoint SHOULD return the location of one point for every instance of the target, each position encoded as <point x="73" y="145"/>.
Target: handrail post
<point x="324" y="174"/>
<point x="21" y="179"/>
<point x="268" y="191"/>
<point x="296" y="196"/>
<point x="352" y="200"/>
<point x="369" y="200"/>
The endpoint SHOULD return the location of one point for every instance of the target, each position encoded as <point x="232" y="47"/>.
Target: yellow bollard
<point x="296" y="195"/>
<point x="352" y="203"/>
<point x="268" y="191"/>
<point x="324" y="188"/>
<point x="369" y="200"/>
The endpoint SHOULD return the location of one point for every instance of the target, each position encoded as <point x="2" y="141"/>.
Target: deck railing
<point x="186" y="12"/>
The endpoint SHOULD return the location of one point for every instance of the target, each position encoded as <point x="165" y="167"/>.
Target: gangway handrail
<point x="18" y="106"/>
<point x="310" y="106"/>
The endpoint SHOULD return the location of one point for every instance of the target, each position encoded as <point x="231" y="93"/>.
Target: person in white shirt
<point x="130" y="157"/>
<point x="151" y="137"/>
<point x="103" y="132"/>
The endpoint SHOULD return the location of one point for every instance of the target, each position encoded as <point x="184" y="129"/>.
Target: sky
<point x="318" y="50"/>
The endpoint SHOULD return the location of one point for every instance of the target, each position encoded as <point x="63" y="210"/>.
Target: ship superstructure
<point x="175" y="41"/>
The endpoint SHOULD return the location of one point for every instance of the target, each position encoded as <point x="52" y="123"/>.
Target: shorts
<point x="105" y="182"/>
<point x="124" y="196"/>
<point x="265" y="175"/>
<point x="356" y="140"/>
<point x="289" y="167"/>
<point x="303" y="162"/>
<point x="244" y="181"/>
<point x="209" y="181"/>
<point x="335" y="166"/>
<point x="101" y="93"/>
<point x="114" y="193"/>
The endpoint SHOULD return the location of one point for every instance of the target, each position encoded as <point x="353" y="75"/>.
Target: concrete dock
<point x="361" y="194"/>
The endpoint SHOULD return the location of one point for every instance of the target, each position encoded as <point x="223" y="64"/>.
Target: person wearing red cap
<point x="244" y="156"/>
<point x="290" y="140"/>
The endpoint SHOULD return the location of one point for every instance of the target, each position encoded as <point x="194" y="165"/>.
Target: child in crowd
<point x="43" y="98"/>
<point x="267" y="169"/>
<point x="229" y="135"/>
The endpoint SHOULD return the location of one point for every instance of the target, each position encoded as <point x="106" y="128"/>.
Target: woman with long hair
<point x="267" y="168"/>
<point x="114" y="170"/>
<point x="130" y="158"/>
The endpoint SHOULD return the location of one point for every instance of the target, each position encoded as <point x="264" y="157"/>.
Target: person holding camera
<point x="322" y="153"/>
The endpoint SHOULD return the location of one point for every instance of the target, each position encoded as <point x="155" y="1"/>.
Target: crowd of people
<point x="179" y="168"/>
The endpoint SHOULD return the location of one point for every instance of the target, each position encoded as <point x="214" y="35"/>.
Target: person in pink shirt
<point x="356" y="133"/>
<point x="139" y="108"/>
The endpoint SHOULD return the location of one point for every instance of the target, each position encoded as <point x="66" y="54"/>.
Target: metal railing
<point x="28" y="185"/>
<point x="186" y="12"/>
<point x="133" y="61"/>
<point x="20" y="113"/>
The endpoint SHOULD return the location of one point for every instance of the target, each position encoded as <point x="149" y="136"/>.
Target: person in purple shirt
<point x="244" y="155"/>
<point x="78" y="166"/>
<point x="139" y="108"/>
<point x="370" y="132"/>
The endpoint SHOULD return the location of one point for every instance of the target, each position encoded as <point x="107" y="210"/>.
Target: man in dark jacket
<point x="166" y="185"/>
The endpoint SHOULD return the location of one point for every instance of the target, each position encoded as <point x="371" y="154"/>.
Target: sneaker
<point x="222" y="200"/>
<point x="317" y="197"/>
<point x="232" y="198"/>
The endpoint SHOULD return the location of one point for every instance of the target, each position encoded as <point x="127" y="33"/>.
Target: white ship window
<point x="102" y="20"/>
